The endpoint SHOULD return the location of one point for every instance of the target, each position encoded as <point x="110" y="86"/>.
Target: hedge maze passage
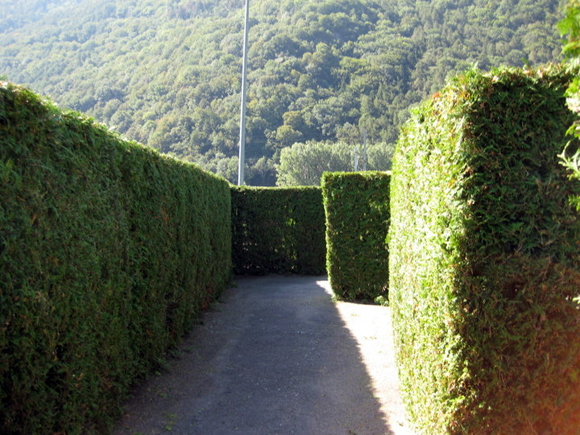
<point x="108" y="250"/>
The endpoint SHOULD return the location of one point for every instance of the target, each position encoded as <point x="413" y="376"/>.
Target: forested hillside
<point x="168" y="73"/>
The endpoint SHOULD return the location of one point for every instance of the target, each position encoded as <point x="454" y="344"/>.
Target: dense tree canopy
<point x="167" y="73"/>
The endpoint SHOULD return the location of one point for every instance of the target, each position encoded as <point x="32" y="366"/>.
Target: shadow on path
<point x="273" y="357"/>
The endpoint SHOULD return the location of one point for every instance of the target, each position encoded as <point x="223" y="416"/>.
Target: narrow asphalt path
<point x="276" y="356"/>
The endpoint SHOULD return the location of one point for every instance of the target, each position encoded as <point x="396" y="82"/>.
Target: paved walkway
<point x="277" y="356"/>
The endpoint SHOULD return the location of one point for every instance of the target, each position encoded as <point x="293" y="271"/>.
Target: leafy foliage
<point x="356" y="206"/>
<point x="278" y="230"/>
<point x="303" y="164"/>
<point x="107" y="252"/>
<point x="483" y="258"/>
<point x="570" y="26"/>
<point x="167" y="73"/>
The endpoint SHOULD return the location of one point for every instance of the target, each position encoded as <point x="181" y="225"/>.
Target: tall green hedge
<point x="357" y="221"/>
<point x="484" y="258"/>
<point x="107" y="251"/>
<point x="278" y="230"/>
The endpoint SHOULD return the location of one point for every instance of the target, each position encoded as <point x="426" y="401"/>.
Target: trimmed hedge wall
<point x="357" y="221"/>
<point x="278" y="230"/>
<point x="107" y="252"/>
<point x="484" y="259"/>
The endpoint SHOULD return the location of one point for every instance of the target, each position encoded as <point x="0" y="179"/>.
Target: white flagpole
<point x="243" y="108"/>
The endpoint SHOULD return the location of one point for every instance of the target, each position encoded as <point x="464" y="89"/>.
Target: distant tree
<point x="303" y="164"/>
<point x="380" y="157"/>
<point x="228" y="168"/>
<point x="261" y="172"/>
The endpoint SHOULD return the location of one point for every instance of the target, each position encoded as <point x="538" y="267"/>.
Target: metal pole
<point x="365" y="150"/>
<point x="243" y="108"/>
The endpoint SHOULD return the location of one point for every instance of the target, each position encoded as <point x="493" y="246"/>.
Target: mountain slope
<point x="167" y="73"/>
